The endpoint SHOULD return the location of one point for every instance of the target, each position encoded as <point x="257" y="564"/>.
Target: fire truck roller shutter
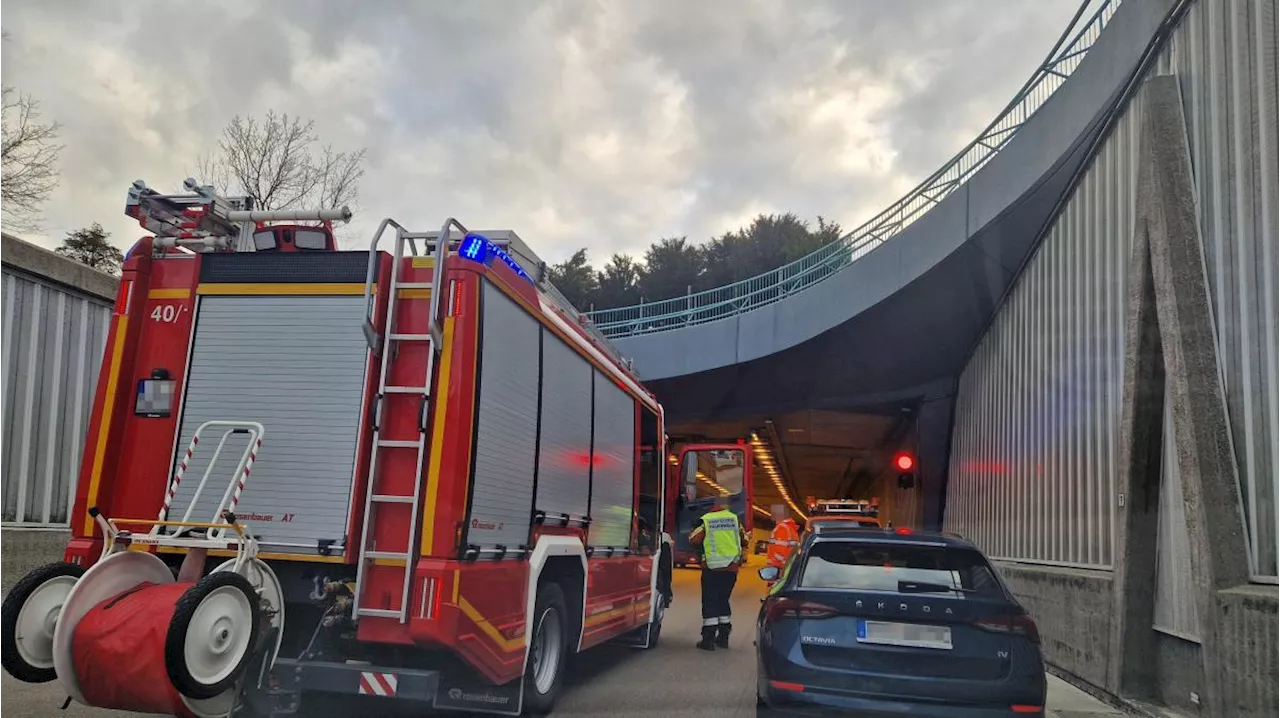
<point x="564" y="453"/>
<point x="613" y="473"/>
<point x="506" y="431"/>
<point x="297" y="365"/>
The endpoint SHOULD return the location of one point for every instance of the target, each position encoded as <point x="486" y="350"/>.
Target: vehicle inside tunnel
<point x="819" y="454"/>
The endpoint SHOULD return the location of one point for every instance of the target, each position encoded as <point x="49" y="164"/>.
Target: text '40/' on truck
<point x="421" y="457"/>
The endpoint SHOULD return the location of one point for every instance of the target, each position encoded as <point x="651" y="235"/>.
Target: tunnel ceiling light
<point x="708" y="481"/>
<point x="765" y="458"/>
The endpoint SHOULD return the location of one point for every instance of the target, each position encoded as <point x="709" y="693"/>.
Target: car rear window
<point x="863" y="566"/>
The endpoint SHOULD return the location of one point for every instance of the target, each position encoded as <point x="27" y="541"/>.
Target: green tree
<point x="671" y="266"/>
<point x="618" y="284"/>
<point x="575" y="279"/>
<point x="769" y="242"/>
<point x="90" y="246"/>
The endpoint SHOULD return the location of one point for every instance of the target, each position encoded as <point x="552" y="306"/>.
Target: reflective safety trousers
<point x="722" y="542"/>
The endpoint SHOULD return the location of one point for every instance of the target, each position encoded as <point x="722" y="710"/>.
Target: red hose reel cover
<point x="118" y="651"/>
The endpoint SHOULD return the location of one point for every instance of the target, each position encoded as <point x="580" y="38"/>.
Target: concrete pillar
<point x="1169" y="273"/>
<point x="1141" y="426"/>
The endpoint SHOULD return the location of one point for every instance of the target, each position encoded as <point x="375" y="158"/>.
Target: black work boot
<point x="722" y="635"/>
<point x="708" y="642"/>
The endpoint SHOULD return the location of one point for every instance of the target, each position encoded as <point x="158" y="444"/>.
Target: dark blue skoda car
<point x="893" y="622"/>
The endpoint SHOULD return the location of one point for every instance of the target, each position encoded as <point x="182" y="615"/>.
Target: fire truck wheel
<point x="655" y="627"/>
<point x="211" y="637"/>
<point x="547" y="650"/>
<point x="28" y="618"/>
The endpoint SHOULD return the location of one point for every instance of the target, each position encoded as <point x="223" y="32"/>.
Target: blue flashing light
<point x="478" y="248"/>
<point x="501" y="253"/>
<point x="475" y="247"/>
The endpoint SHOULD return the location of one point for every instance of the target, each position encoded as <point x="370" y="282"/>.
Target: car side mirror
<point x="770" y="573"/>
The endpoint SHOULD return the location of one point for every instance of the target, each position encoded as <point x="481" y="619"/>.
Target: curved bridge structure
<point x="897" y="305"/>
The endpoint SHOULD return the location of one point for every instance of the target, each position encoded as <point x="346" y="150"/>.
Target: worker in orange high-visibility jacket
<point x="785" y="538"/>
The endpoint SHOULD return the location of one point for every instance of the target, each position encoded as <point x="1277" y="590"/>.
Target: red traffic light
<point x="904" y="461"/>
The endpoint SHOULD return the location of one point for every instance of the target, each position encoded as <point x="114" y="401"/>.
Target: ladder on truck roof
<point x="439" y="244"/>
<point x="206" y="221"/>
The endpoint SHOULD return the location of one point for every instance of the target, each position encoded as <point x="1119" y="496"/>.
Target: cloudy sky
<point x="575" y="123"/>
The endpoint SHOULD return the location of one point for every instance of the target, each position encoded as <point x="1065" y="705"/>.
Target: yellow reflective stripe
<point x="104" y="425"/>
<point x="301" y="288"/>
<point x="437" y="441"/>
<point x="183" y="293"/>
<point x="507" y="644"/>
<point x="264" y="555"/>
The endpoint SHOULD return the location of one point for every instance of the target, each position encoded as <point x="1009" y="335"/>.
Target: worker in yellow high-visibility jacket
<point x="723" y="542"/>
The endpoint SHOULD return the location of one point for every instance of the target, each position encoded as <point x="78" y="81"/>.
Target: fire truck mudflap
<point x="282" y="695"/>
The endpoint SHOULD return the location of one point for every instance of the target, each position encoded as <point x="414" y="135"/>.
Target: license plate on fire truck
<point x="904" y="634"/>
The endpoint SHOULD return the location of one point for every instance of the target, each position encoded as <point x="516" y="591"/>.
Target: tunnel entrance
<point x="829" y="455"/>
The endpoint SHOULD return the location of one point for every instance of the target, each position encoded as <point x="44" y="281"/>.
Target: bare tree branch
<point x="275" y="160"/>
<point x="340" y="174"/>
<point x="29" y="158"/>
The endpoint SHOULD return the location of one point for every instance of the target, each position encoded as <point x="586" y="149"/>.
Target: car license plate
<point x="904" y="634"/>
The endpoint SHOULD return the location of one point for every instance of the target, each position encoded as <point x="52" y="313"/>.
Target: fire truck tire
<point x="655" y="626"/>
<point x="548" y="650"/>
<point x="212" y="635"/>
<point x="28" y="617"/>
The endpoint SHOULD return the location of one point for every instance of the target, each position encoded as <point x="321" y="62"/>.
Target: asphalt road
<point x="673" y="679"/>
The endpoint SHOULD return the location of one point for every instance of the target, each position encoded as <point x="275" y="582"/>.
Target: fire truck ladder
<point x="439" y="244"/>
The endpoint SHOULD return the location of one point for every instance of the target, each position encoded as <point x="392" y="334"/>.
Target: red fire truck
<point x="441" y="474"/>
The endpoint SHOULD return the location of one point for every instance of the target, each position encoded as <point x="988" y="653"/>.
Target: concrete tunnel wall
<point x="1115" y="447"/>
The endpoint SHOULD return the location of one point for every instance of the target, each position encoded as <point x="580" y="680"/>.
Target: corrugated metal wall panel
<point x="564" y="454"/>
<point x="1045" y="449"/>
<point x="613" y="476"/>
<point x="296" y="365"/>
<point x="1175" y="605"/>
<point x="1031" y="461"/>
<point x="502" y="489"/>
<point x="53" y="340"/>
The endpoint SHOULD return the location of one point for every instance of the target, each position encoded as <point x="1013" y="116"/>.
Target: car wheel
<point x="548" y="648"/>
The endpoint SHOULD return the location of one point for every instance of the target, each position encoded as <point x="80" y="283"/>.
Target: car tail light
<point x="782" y="607"/>
<point x="1020" y="708"/>
<point x="1019" y="624"/>
<point x="785" y="686"/>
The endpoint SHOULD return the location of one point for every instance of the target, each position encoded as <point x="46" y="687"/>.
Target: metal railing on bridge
<point x="712" y="304"/>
